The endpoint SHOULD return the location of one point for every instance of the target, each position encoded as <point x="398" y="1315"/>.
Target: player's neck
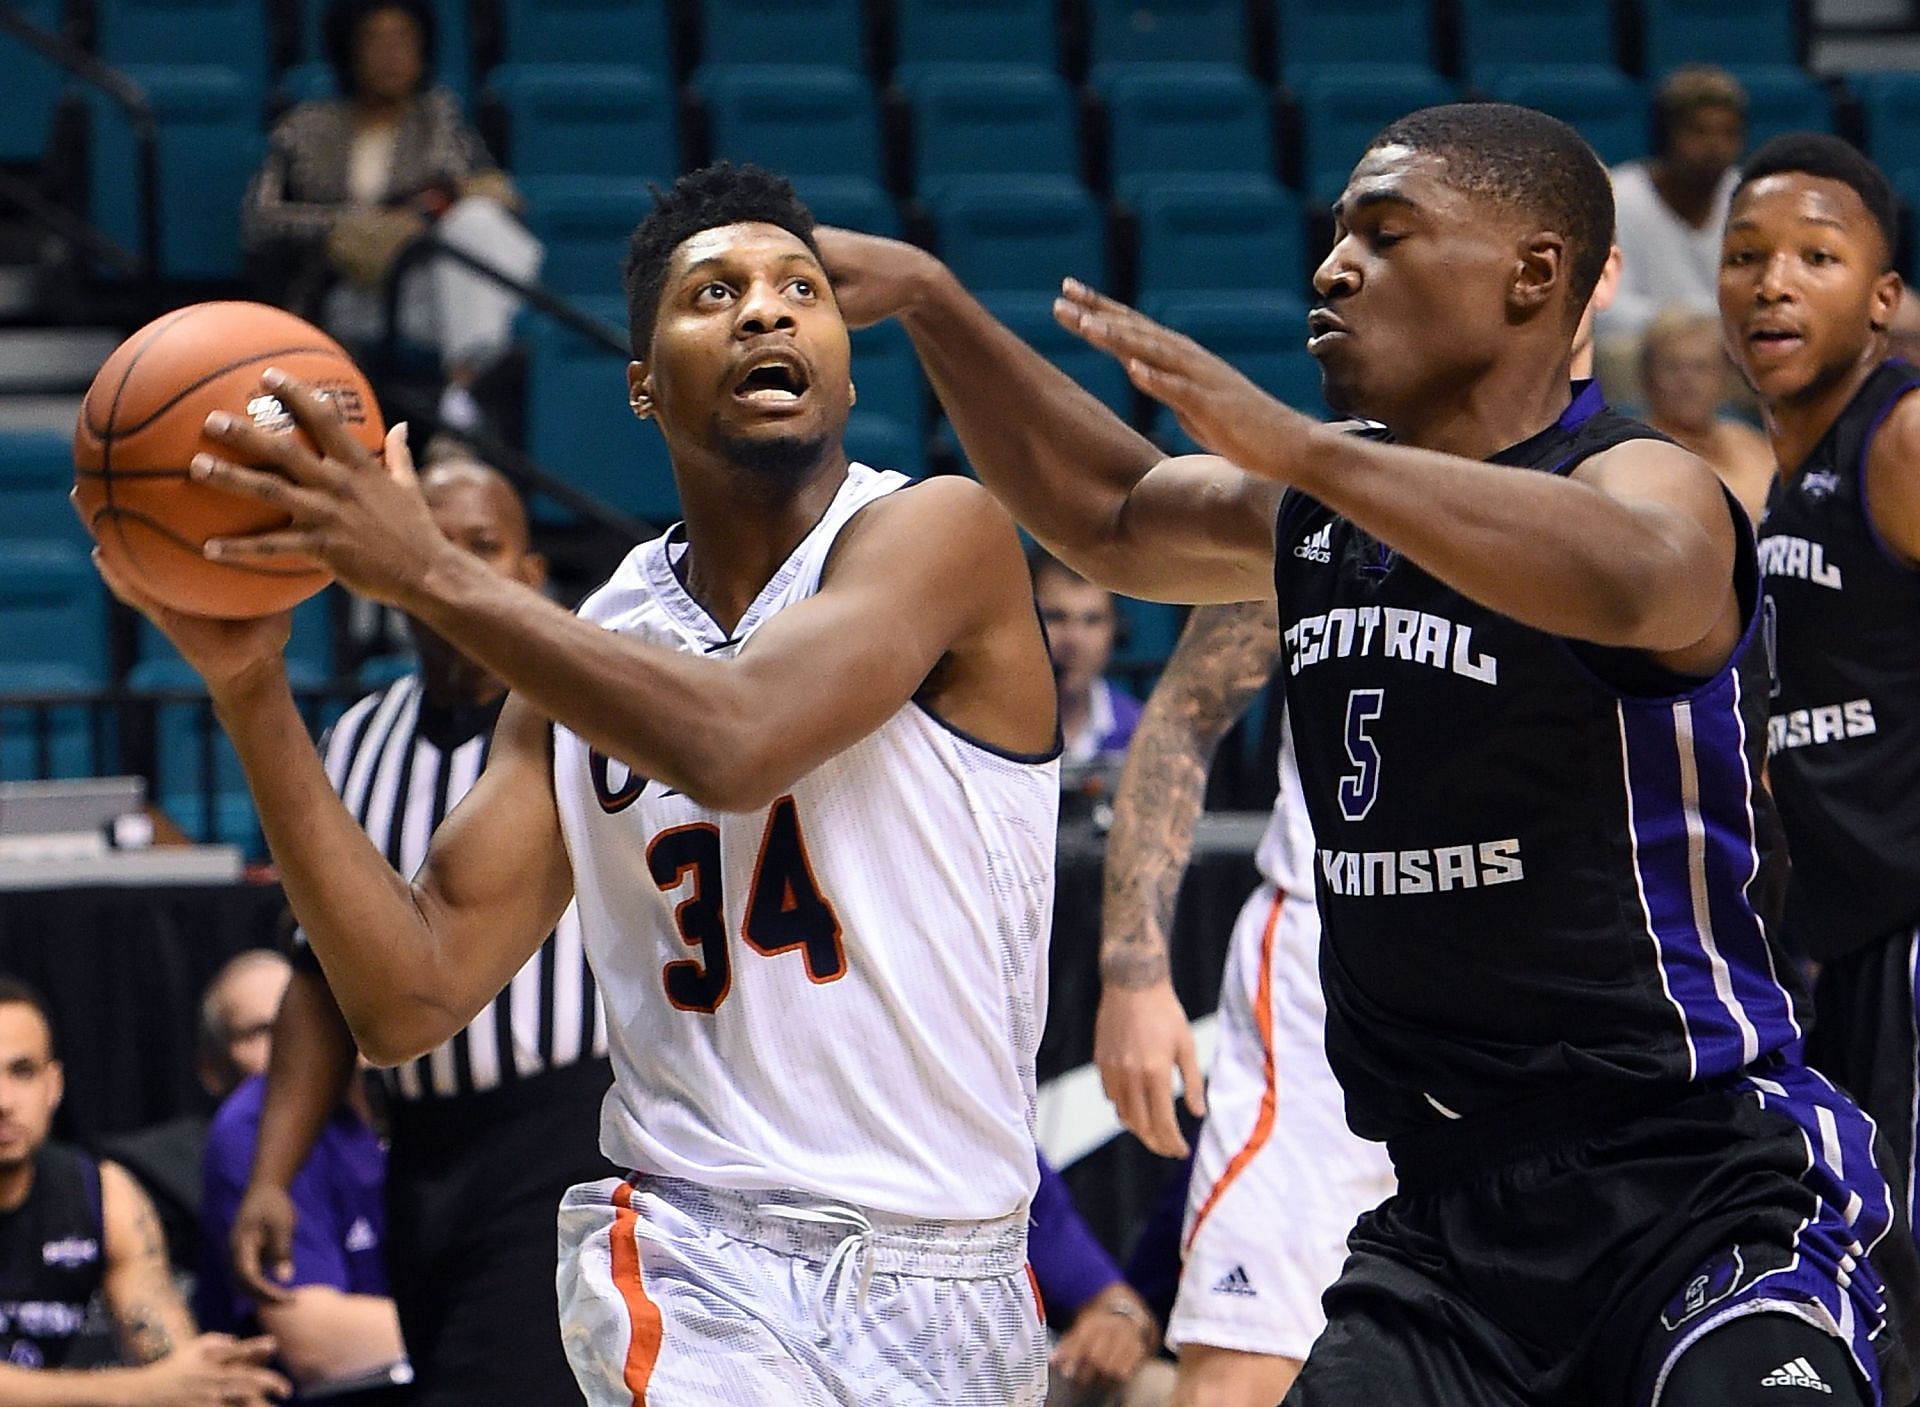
<point x="16" y="1182"/>
<point x="1796" y="424"/>
<point x="1509" y="404"/>
<point x="740" y="531"/>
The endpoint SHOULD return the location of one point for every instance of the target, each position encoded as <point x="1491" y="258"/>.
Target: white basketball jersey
<point x="1285" y="856"/>
<point x="843" y="992"/>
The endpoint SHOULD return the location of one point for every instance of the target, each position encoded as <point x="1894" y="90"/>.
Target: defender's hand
<point x="1224" y="412"/>
<point x="366" y="521"/>
<point x="261" y="1243"/>
<point x="1110" y="1338"/>
<point x="1139" y="1037"/>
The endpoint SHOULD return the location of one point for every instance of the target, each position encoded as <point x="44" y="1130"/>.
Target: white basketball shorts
<point x="1278" y="1178"/>
<point x="673" y="1294"/>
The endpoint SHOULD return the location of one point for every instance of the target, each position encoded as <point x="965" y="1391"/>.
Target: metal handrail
<point x="131" y="98"/>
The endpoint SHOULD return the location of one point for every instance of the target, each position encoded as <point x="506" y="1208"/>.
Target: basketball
<point x="142" y="422"/>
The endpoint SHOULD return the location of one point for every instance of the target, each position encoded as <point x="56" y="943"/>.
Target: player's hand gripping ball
<point x="142" y="422"/>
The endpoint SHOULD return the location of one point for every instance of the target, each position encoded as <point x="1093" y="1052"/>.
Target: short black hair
<point x="1824" y="155"/>
<point x="342" y="27"/>
<point x="14" y="992"/>
<point x="1527" y="160"/>
<point x="715" y="195"/>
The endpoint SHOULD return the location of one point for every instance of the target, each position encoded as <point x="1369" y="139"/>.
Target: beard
<point x="782" y="457"/>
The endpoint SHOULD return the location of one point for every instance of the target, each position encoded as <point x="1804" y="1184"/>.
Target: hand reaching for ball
<point x="365" y="521"/>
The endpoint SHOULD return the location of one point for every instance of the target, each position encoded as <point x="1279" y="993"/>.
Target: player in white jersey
<point x="1278" y="1179"/>
<point x="798" y="760"/>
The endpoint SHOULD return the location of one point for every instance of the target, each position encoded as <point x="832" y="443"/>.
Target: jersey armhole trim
<point x="1008" y="754"/>
<point x="1880" y="418"/>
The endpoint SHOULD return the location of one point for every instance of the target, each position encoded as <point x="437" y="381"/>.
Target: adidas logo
<point x="1798" y="1373"/>
<point x="1318" y="546"/>
<point x="1235" y="1282"/>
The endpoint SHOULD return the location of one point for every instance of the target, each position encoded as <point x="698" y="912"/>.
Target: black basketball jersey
<point x="1536" y="857"/>
<point x="52" y="1257"/>
<point x="1843" y="628"/>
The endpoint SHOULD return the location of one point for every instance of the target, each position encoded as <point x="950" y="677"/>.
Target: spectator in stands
<point x="1097" y="718"/>
<point x="71" y="1227"/>
<point x="336" y="1323"/>
<point x="1669" y="210"/>
<point x="1106" y="1356"/>
<point x="1683" y="368"/>
<point x="349" y="182"/>
<point x="236" y="1020"/>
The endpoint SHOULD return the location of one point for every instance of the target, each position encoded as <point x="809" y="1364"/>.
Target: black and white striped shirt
<point x="401" y="764"/>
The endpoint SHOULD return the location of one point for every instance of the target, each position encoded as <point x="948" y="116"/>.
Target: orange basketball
<point x="141" y="424"/>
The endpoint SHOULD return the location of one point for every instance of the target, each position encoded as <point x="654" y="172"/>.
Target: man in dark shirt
<point x="1511" y="620"/>
<point x="70" y="1227"/>
<point x="1807" y="297"/>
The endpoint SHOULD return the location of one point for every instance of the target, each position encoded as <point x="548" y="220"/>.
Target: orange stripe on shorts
<point x="643" y="1315"/>
<point x="1263" y="1122"/>
<point x="1039" y="1301"/>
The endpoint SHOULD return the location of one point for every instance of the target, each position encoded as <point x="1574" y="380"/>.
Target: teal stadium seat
<point x="1178" y="120"/>
<point x="1343" y="107"/>
<point x="887" y="426"/>
<point x="1023" y="235"/>
<point x="988" y="123"/>
<point x="852" y="202"/>
<point x="802" y="121"/>
<point x="1394" y="33"/>
<point x="634" y="33"/>
<point x="1597" y="100"/>
<point x="1730" y="33"/>
<point x="580" y="426"/>
<point x="147" y="34"/>
<point x="32" y="88"/>
<point x="598" y="120"/>
<point x="929" y="34"/>
<point x="584" y="223"/>
<point x="43" y="741"/>
<point x="1505" y="32"/>
<point x="210" y="145"/>
<point x="1123" y="32"/>
<point x="1890" y="114"/>
<point x="1783" y="98"/>
<point x="826" y="32"/>
<point x="1030" y="316"/>
<point x="197" y="776"/>
<point x="53" y="607"/>
<point x="36" y="470"/>
<point x="1220" y="233"/>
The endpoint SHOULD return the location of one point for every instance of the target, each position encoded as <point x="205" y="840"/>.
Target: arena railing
<point x="142" y="265"/>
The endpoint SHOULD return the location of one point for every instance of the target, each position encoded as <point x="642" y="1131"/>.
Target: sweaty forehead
<point x="1402" y="174"/>
<point x="1800" y="195"/>
<point x="748" y="243"/>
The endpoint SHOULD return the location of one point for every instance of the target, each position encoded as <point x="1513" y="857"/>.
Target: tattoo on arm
<point x="152" y="1318"/>
<point x="145" y="1334"/>
<point x="1225" y="655"/>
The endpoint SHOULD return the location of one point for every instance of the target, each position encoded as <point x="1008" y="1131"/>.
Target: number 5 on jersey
<point x="785" y="909"/>
<point x="1358" y="790"/>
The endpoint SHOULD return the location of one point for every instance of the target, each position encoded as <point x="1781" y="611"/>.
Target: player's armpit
<point x="927" y="577"/>
<point x="495" y="881"/>
<point x="151" y="1317"/>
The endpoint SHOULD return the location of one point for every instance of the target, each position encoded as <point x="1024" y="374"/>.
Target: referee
<point x="492" y="1127"/>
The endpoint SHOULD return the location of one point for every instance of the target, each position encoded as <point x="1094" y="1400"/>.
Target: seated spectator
<point x="349" y="182"/>
<point x="1097" y="718"/>
<point x="1106" y="1356"/>
<point x="1668" y="214"/>
<point x="1683" y="368"/>
<point x="334" y="1321"/>
<point x="236" y="1022"/>
<point x="71" y="1227"/>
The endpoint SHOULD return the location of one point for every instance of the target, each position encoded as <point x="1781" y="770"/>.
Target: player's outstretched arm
<point x="1225" y="655"/>
<point x="914" y="578"/>
<point x="409" y="964"/>
<point x="1100" y="496"/>
<point x="1634" y="548"/>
